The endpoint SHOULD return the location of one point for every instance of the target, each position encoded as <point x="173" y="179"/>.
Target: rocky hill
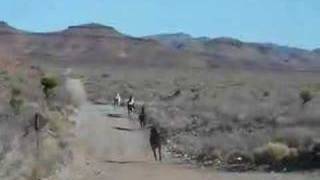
<point x="243" y="54"/>
<point x="98" y="45"/>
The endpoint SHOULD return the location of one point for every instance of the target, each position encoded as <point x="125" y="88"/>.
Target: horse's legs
<point x="114" y="104"/>
<point x="154" y="153"/>
<point x="129" y="114"/>
<point x="143" y="124"/>
<point x="159" y="153"/>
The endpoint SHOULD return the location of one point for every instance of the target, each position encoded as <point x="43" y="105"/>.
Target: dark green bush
<point x="48" y="84"/>
<point x="15" y="91"/>
<point x="266" y="93"/>
<point x="305" y="96"/>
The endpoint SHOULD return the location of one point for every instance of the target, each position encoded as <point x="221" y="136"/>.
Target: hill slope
<point x="242" y="54"/>
<point x="95" y="44"/>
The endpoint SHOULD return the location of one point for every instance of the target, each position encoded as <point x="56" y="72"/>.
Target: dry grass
<point x="20" y="155"/>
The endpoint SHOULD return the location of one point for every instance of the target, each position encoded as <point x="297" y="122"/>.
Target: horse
<point x="142" y="117"/>
<point x="117" y="100"/>
<point x="130" y="105"/>
<point x="155" y="143"/>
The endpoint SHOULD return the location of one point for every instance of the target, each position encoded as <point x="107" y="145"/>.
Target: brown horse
<point x="155" y="142"/>
<point x="130" y="105"/>
<point x="142" y="117"/>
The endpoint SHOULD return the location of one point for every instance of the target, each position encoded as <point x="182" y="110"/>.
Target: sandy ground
<point x="102" y="153"/>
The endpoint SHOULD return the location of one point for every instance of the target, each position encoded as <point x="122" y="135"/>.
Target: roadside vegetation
<point x="29" y="152"/>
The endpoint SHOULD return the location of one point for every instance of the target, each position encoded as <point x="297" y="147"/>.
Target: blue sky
<point x="286" y="22"/>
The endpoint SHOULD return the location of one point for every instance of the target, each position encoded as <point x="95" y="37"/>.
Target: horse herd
<point x="154" y="138"/>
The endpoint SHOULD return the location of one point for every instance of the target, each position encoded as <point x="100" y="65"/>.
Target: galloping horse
<point x="142" y="117"/>
<point x="155" y="142"/>
<point x="117" y="100"/>
<point x="130" y="105"/>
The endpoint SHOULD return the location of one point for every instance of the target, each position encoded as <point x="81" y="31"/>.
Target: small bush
<point x="105" y="75"/>
<point x="278" y="156"/>
<point x="48" y="84"/>
<point x="16" y="101"/>
<point x="272" y="153"/>
<point x="266" y="93"/>
<point x="15" y="91"/>
<point x="16" y="105"/>
<point x="305" y="96"/>
<point x="57" y="123"/>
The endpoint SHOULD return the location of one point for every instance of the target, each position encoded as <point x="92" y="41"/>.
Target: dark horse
<point x="142" y="117"/>
<point x="130" y="105"/>
<point x="155" y="143"/>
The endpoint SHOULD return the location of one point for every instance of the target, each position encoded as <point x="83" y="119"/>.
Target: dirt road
<point x="103" y="152"/>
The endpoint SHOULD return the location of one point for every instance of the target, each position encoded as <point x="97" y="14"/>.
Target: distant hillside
<point x="237" y="53"/>
<point x="99" y="45"/>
